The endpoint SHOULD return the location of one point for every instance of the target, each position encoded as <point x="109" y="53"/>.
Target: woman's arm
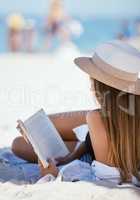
<point x="75" y="154"/>
<point x="51" y="169"/>
<point x="66" y="121"/>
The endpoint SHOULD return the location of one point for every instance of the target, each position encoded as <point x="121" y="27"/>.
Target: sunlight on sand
<point x="31" y="81"/>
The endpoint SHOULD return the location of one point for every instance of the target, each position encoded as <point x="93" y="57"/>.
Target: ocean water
<point x="96" y="31"/>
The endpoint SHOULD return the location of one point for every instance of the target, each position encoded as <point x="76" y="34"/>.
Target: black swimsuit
<point x="89" y="148"/>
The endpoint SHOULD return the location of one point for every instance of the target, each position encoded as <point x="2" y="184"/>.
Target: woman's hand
<point x="21" y="128"/>
<point x="51" y="169"/>
<point x="75" y="154"/>
<point x="65" y="160"/>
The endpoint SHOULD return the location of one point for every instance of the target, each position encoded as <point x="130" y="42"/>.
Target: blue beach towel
<point x="17" y="170"/>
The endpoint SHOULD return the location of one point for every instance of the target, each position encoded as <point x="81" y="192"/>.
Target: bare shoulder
<point x="93" y="115"/>
<point x="95" y="122"/>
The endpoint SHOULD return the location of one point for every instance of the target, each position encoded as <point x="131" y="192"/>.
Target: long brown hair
<point x="121" y="116"/>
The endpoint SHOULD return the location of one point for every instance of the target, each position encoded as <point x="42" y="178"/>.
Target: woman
<point x="56" y="22"/>
<point x="114" y="130"/>
<point x="16" y="24"/>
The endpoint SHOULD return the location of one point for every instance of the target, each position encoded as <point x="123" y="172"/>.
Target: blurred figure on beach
<point x="29" y="36"/>
<point x="56" y="23"/>
<point x="21" y="33"/>
<point x="24" y="35"/>
<point x="16" y="23"/>
<point x="137" y="25"/>
<point x="124" y="34"/>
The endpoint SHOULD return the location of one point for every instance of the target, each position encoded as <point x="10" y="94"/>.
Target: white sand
<point x="28" y="82"/>
<point x="135" y="41"/>
<point x="66" y="191"/>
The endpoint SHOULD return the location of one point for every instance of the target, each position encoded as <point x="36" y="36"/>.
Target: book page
<point x="44" y="137"/>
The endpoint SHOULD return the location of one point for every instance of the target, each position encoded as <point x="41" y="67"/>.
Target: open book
<point x="44" y="137"/>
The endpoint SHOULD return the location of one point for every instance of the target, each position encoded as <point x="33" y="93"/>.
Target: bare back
<point x="98" y="136"/>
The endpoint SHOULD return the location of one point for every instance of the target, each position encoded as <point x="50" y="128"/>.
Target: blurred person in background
<point x="56" y="23"/>
<point x="29" y="35"/>
<point x="16" y="23"/>
<point x="137" y="25"/>
<point x="124" y="34"/>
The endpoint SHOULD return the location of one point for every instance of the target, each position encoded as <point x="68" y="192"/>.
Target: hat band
<point x="120" y="74"/>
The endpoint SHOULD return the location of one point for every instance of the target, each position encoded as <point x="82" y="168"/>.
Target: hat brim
<point x="87" y="65"/>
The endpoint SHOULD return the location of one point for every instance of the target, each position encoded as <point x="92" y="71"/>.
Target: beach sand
<point x="135" y="41"/>
<point x="29" y="82"/>
<point x="66" y="191"/>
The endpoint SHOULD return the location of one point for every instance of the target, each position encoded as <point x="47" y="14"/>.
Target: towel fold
<point x="17" y="170"/>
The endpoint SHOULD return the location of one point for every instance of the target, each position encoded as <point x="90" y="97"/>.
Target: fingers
<point x="22" y="130"/>
<point x="40" y="163"/>
<point x="59" y="160"/>
<point x="62" y="160"/>
<point x="50" y="161"/>
<point x="19" y="129"/>
<point x="51" y="169"/>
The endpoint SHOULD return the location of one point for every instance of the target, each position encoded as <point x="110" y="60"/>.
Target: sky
<point x="75" y="7"/>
